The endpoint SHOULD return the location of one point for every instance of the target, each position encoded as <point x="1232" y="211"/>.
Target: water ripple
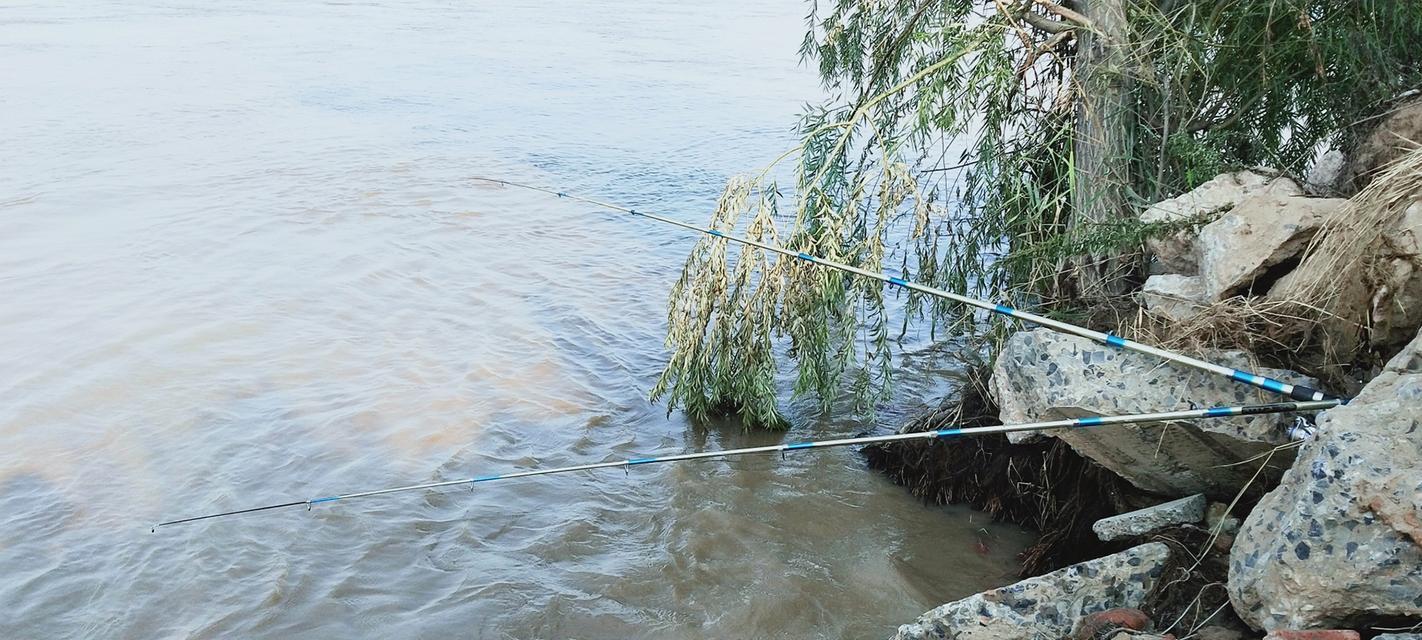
<point x="243" y="261"/>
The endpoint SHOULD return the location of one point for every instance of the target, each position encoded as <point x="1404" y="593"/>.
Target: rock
<point x="1042" y="375"/>
<point x="1220" y="633"/>
<point x="1313" y="634"/>
<point x="1379" y="306"/>
<point x="1178" y="253"/>
<point x="1217" y="518"/>
<point x="1398" y="133"/>
<point x="1323" y="175"/>
<point x="1341" y="331"/>
<point x="1136" y="523"/>
<point x="1048" y="606"/>
<point x="1396" y="304"/>
<point x="1175" y="297"/>
<point x="1259" y="241"/>
<point x="1339" y="543"/>
<point x="1140" y="635"/>
<point x="1101" y="623"/>
<point x="1398" y="636"/>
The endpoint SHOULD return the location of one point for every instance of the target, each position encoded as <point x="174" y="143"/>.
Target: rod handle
<point x="1306" y="394"/>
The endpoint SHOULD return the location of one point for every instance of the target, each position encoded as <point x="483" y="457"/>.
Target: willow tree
<point x="1000" y="149"/>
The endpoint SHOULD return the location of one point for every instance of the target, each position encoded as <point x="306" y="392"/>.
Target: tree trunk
<point x="1103" y="145"/>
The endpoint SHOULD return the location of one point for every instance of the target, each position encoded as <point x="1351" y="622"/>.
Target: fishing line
<point x="1309" y="399"/>
<point x="1293" y="391"/>
<point x="1215" y="412"/>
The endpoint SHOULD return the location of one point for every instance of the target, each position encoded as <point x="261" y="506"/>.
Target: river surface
<point x="242" y="262"/>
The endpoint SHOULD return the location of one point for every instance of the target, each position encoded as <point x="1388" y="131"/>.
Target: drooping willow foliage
<point x="979" y="146"/>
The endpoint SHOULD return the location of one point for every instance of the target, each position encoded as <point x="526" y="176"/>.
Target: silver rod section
<point x="1164" y="416"/>
<point x="1296" y="392"/>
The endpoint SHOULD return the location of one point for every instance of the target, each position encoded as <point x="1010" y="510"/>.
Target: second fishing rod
<point x="1294" y="391"/>
<point x="1068" y="423"/>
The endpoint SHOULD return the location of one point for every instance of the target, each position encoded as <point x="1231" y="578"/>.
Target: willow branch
<point x="1046" y="24"/>
<point x="881" y="62"/>
<point x="1066" y="14"/>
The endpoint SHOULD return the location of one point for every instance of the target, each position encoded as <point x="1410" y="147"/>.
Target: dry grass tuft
<point x="1277" y="332"/>
<point x="1351" y="241"/>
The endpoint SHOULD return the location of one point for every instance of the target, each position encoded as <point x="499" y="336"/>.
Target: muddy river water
<point x="241" y="262"/>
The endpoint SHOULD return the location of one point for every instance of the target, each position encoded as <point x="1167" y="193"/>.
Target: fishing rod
<point x="1293" y="391"/>
<point x="1166" y="416"/>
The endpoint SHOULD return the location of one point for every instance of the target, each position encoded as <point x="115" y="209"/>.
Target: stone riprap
<point x="1179" y="252"/>
<point x="1339" y="543"/>
<point x="1042" y="375"/>
<point x="1399" y="132"/>
<point x="1262" y="237"/>
<point x="1140" y="522"/>
<point x="1379" y="304"/>
<point x="1174" y="297"/>
<point x="1047" y="607"/>
<point x="1395" y="308"/>
<point x="1217" y="518"/>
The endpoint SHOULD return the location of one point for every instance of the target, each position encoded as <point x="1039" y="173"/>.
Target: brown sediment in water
<point x="1045" y="485"/>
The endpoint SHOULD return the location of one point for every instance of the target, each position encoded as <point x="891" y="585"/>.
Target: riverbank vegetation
<point x="1003" y="149"/>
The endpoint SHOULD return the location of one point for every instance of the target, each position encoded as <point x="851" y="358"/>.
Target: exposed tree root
<point x="1191" y="592"/>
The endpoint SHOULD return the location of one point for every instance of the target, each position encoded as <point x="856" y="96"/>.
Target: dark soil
<point x="1191" y="592"/>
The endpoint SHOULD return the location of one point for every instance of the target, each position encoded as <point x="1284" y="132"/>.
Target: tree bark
<point x="1103" y="145"/>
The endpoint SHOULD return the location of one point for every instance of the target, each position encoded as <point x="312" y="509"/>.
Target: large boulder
<point x="1047" y="607"/>
<point x="1339" y="542"/>
<point x="1259" y="241"/>
<point x="1043" y="375"/>
<point x="1178" y="252"/>
<point x="1399" y="132"/>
